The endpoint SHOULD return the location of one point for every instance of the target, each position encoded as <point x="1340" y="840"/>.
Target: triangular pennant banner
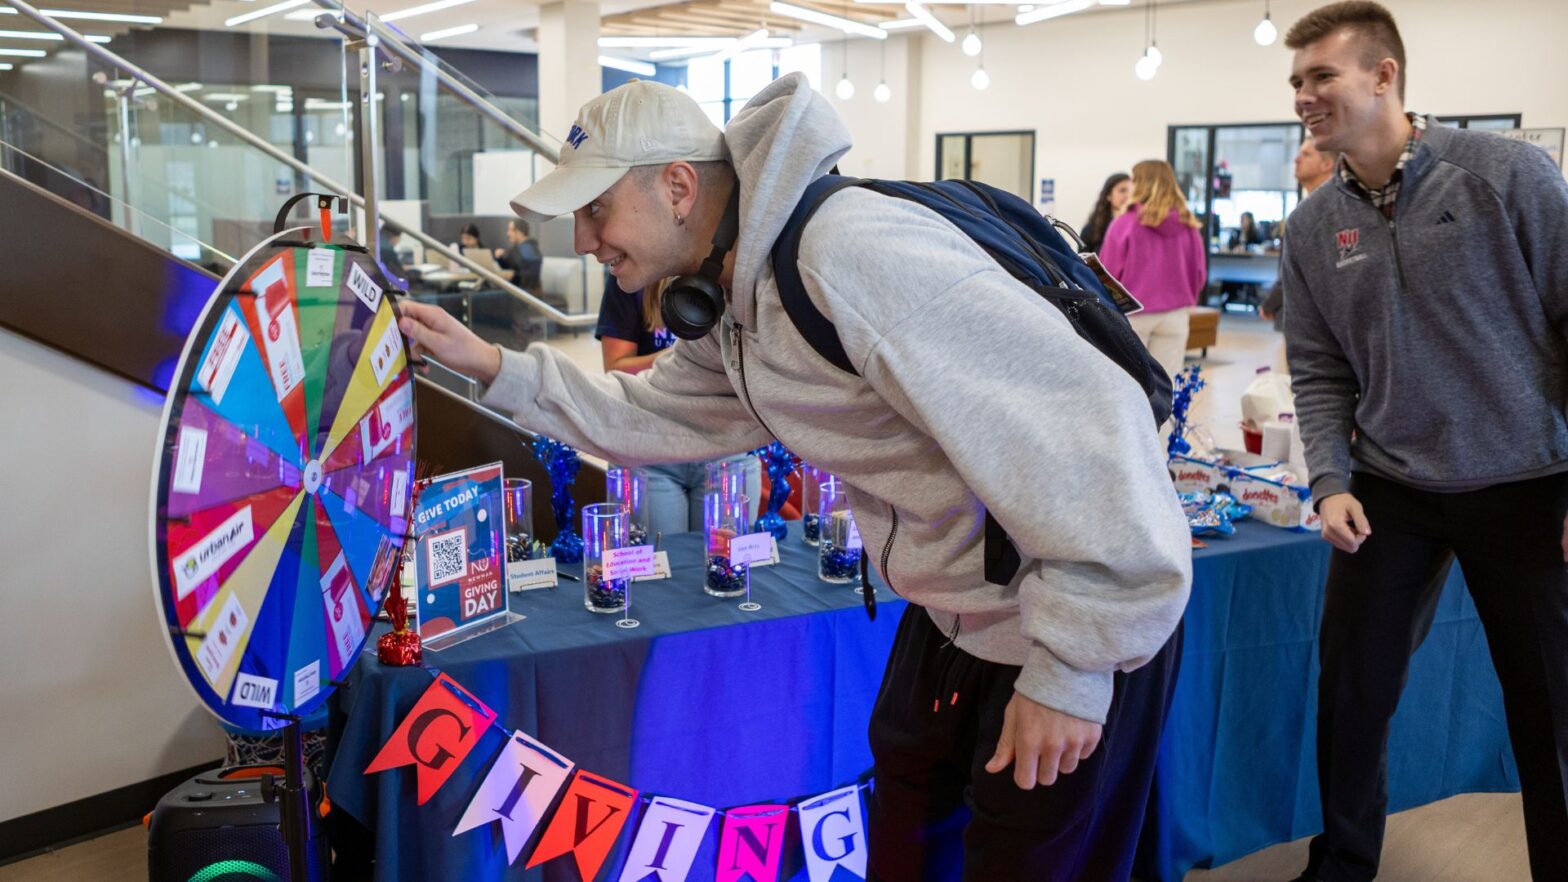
<point x="436" y="735"/>
<point x="752" y="843"/>
<point x="587" y="823"/>
<point x="517" y="792"/>
<point x="667" y="841"/>
<point x="833" y="831"/>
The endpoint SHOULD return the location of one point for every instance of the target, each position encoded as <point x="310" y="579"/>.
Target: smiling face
<point x="631" y="229"/>
<point x="1342" y="89"/>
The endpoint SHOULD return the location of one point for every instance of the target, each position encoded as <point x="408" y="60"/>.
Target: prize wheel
<point x="283" y="479"/>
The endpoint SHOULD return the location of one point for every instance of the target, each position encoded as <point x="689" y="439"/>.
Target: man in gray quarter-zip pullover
<point x="1428" y="344"/>
<point x="972" y="395"/>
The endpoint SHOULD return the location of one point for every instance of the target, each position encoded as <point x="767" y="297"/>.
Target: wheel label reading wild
<point x="282" y="486"/>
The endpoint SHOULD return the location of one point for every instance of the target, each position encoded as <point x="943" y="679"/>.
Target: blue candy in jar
<point x="605" y="595"/>
<point x="811" y="528"/>
<point x="837" y="564"/>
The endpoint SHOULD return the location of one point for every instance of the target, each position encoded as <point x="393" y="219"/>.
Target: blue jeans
<point x="675" y="493"/>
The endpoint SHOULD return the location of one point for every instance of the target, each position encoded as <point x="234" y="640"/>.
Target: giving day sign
<point x="460" y="569"/>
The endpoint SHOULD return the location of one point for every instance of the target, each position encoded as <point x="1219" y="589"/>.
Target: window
<point x="1228" y="171"/>
<point x="1002" y="159"/>
<point x="1489" y="122"/>
<point x="722" y="88"/>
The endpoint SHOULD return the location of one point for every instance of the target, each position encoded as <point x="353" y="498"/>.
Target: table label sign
<point x="754" y="548"/>
<point x="661" y="568"/>
<point x="629" y="562"/>
<point x="525" y="575"/>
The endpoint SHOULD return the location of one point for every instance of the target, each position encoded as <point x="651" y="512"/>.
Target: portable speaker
<point x="220" y="827"/>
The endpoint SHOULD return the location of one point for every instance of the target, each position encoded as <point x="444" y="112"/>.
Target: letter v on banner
<point x="586" y="823"/>
<point x="834" y="834"/>
<point x="517" y="792"/>
<point x="667" y="841"/>
<point x="437" y="734"/>
<point x="751" y="843"/>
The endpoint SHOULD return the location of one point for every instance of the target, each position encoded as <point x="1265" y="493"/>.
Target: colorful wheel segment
<point x="284" y="479"/>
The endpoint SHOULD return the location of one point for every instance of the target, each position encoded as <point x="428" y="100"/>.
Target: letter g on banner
<point x="833" y="831"/>
<point x="437" y="734"/>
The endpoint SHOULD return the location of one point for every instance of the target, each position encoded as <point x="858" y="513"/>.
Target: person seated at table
<point x="467" y="237"/>
<point x="397" y="274"/>
<point x="1023" y="702"/>
<point x="631" y="336"/>
<point x="520" y="259"/>
<point x="1247" y="234"/>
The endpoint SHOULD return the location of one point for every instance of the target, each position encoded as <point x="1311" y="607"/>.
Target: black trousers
<point x="935" y="813"/>
<point x="1379" y="606"/>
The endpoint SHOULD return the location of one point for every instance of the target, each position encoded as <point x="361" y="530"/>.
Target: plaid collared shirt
<point x="1383" y="199"/>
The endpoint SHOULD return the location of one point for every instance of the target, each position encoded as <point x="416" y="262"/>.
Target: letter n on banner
<point x="667" y="841"/>
<point x="834" y="834"/>
<point x="437" y="734"/>
<point x="751" y="843"/>
<point x="518" y="791"/>
<point x="586" y="823"/>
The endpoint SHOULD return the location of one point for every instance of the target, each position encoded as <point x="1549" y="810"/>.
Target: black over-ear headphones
<point x="692" y="304"/>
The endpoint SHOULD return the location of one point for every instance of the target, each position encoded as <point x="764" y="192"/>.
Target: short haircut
<point x="1372" y="24"/>
<point x="520" y="225"/>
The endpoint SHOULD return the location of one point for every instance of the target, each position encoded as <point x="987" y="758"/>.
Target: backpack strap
<point x="808" y="320"/>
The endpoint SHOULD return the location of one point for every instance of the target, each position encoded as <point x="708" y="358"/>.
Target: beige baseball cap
<point x="640" y="123"/>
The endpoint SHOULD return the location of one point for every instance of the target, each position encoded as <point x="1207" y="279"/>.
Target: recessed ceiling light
<point x="93" y="16"/>
<point x="422" y="9"/>
<point x="448" y="32"/>
<point x="264" y="12"/>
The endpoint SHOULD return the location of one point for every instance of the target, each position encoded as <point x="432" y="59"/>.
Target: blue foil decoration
<point x="563" y="463"/>
<point x="1186" y="384"/>
<point x="780" y="463"/>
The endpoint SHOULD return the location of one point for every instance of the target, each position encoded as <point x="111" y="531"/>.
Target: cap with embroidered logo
<point x="640" y="123"/>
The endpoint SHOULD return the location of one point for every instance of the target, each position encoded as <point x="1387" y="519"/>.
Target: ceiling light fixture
<point x="901" y="24"/>
<point x="93" y="16"/>
<point x="664" y="42"/>
<point x="1265" y="33"/>
<point x="442" y="34"/>
<point x="751" y="41"/>
<point x="1055" y="10"/>
<point x="882" y="94"/>
<point x="421" y="9"/>
<point x="630" y="65"/>
<point x="7" y="66"/>
<point x="848" y="26"/>
<point x="24" y="53"/>
<point x="931" y="22"/>
<point x="46" y="35"/>
<point x="264" y="12"/>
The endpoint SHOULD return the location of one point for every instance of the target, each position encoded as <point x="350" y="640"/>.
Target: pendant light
<point x="1265" y="32"/>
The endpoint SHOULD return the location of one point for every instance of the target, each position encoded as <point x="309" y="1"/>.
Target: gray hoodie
<point x="973" y="394"/>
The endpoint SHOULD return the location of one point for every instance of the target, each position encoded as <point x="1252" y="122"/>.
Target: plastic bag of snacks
<point x="1276" y="492"/>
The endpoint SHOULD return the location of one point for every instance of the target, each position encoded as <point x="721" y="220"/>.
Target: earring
<point x="679" y="221"/>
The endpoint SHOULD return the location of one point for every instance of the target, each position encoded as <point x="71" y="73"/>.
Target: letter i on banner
<point x="751" y="843"/>
<point x="667" y="841"/>
<point x="833" y="831"/>
<point x="517" y="792"/>
<point x="586" y="823"/>
<point x="437" y="734"/>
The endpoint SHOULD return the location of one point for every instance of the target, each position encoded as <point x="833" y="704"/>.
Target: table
<point x="1238" y="768"/>
<point x="703" y="702"/>
<point x="706" y="703"/>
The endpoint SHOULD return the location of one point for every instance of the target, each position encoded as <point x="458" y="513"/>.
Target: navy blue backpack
<point x="1029" y="248"/>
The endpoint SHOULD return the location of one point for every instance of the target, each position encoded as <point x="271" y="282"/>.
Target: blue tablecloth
<point x="692" y="706"/>
<point x="1238" y="765"/>
<point x="703" y="702"/>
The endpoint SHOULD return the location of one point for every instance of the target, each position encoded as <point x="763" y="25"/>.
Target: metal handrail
<point x="393" y="40"/>
<point x="573" y="320"/>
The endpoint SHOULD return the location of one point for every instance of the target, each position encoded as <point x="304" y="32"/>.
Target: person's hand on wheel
<point x="1345" y="524"/>
<point x="433" y="331"/>
<point x="1039" y="742"/>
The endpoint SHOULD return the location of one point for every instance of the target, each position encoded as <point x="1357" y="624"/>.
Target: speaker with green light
<point x="223" y="826"/>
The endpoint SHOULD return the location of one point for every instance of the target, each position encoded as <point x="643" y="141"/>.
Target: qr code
<point x="448" y="556"/>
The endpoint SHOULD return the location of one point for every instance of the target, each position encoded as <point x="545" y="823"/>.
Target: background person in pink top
<point x="1156" y="251"/>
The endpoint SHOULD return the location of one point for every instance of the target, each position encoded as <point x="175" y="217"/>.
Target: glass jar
<point x="519" y="493"/>
<point x="838" y="548"/>
<point x="604" y="530"/>
<point x="811" y="479"/>
<point x="629" y="487"/>
<point x="724" y="516"/>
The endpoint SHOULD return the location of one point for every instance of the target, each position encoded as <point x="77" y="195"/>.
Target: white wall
<point x="90" y="699"/>
<point x="883" y="146"/>
<point x="1071" y="81"/>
